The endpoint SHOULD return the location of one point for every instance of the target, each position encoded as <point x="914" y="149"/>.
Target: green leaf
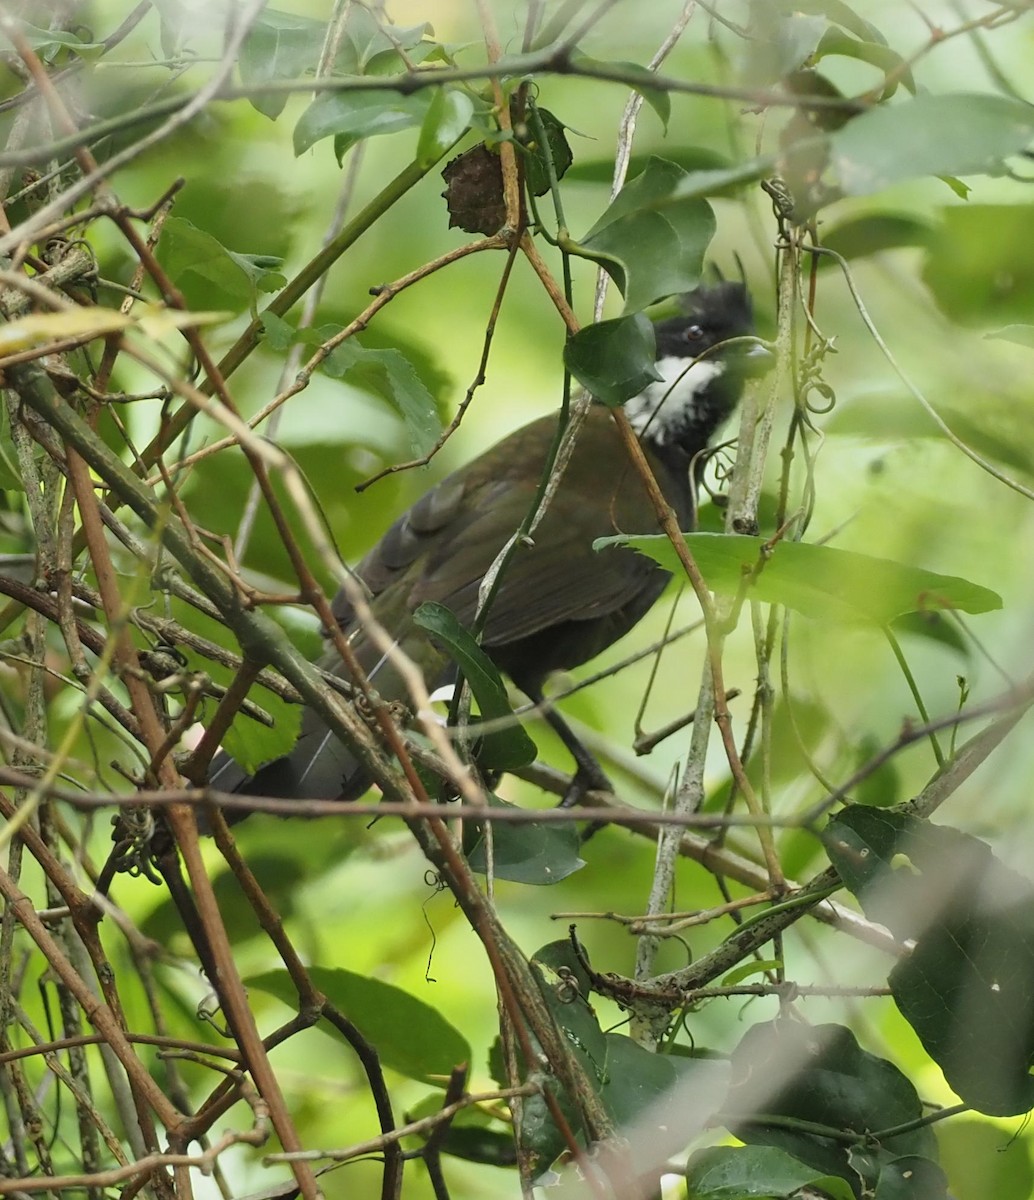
<point x="877" y="54"/>
<point x="501" y="749"/>
<point x="410" y="1036"/>
<point x="48" y="43"/>
<point x="389" y="374"/>
<point x="185" y="249"/>
<point x="837" y="11"/>
<point x="652" y="240"/>
<point x="967" y="988"/>
<point x="474" y="1134"/>
<point x="740" y="1172"/>
<point x="614" y="360"/>
<point x="872" y="233"/>
<point x="350" y="116"/>
<point x="252" y="745"/>
<point x="1019" y="335"/>
<point x="689" y="158"/>
<point x="279" y="335"/>
<point x="956" y="134"/>
<point x="782" y="43"/>
<point x="817" y="581"/>
<point x="980" y="264"/>
<point x="447" y="118"/>
<point x="630" y="1080"/>
<point x="644" y="83"/>
<point x="812" y="1076"/>
<point x="534" y="852"/>
<point x="536" y="167"/>
<point x="279" y="45"/>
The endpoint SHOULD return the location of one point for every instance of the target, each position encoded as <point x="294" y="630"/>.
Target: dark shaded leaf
<point x="967" y="989"/>
<point x="536" y="169"/>
<point x="819" y="1074"/>
<point x="614" y="360"/>
<point x="534" y="852"/>
<point x="411" y="1037"/>
<point x="741" y="1172"/>
<point x="817" y="581"/>
<point x="473" y="1135"/>
<point x="501" y="749"/>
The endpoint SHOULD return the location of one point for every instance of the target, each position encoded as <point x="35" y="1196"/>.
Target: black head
<point x="679" y="414"/>
<point x="711" y="315"/>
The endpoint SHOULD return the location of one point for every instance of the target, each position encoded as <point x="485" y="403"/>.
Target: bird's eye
<point x="693" y="333"/>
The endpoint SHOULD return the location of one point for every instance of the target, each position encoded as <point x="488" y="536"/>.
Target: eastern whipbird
<point x="560" y="602"/>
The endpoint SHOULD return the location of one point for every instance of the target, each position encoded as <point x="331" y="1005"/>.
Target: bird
<point x="560" y="603"/>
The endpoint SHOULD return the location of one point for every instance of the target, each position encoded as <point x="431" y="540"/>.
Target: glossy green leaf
<point x="967" y="989"/>
<point x="817" y="581"/>
<point x="535" y="852"/>
<point x="614" y="360"/>
<point x="502" y="749"/>
<point x="411" y="1037"/>
<point x="955" y="134"/>
<point x="389" y="374"/>
<point x="652" y="240"/>
<point x="742" y="1172"/>
<point x="447" y="118"/>
<point x="350" y="116"/>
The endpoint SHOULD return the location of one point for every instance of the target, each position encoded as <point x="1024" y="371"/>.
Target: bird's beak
<point x="757" y="360"/>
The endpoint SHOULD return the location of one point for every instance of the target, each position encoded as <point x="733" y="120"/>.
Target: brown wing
<point x="441" y="549"/>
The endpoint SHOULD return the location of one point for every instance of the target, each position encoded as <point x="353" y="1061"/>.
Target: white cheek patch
<point x="668" y="405"/>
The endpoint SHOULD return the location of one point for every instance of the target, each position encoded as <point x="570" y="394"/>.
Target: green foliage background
<point x="942" y="268"/>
